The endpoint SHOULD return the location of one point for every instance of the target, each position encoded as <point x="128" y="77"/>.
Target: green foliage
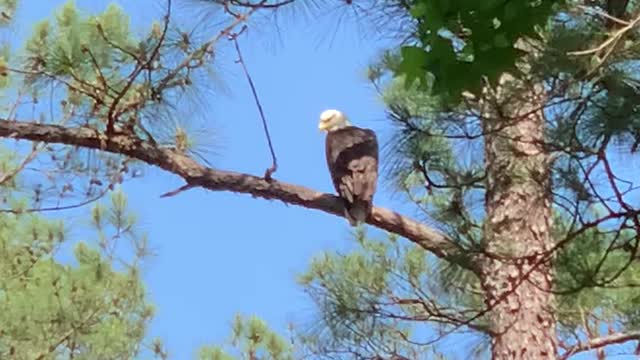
<point x="112" y="79"/>
<point x="462" y="42"/>
<point x="54" y="309"/>
<point x="7" y="10"/>
<point x="79" y="299"/>
<point x="383" y="295"/>
<point x="596" y="273"/>
<point x="252" y="339"/>
<point x="429" y="142"/>
<point x="84" y="51"/>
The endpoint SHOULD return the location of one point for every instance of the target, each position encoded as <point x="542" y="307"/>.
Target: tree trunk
<point x="518" y="224"/>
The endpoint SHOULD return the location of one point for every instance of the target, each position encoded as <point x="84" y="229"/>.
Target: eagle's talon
<point x="267" y="174"/>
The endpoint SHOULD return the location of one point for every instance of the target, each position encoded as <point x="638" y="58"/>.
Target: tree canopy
<point x="461" y="44"/>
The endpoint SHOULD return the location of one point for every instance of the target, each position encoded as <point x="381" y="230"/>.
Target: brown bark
<point x="219" y="180"/>
<point x="517" y="229"/>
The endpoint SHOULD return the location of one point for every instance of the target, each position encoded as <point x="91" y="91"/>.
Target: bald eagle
<point x="352" y="158"/>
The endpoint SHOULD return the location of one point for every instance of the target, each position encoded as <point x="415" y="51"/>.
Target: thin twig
<point x="204" y="48"/>
<point x="262" y="4"/>
<point x="53" y="347"/>
<point x="57" y="208"/>
<point x="612" y="39"/>
<point x="36" y="148"/>
<point x="602" y="13"/>
<point x="274" y="164"/>
<point x="600" y="342"/>
<point x="177" y="191"/>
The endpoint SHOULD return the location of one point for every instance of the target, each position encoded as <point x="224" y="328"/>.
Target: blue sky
<point x="223" y="253"/>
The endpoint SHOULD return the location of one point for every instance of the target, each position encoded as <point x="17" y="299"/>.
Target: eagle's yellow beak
<point x="322" y="126"/>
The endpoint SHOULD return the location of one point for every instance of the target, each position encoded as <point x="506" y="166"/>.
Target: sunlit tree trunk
<point x="517" y="230"/>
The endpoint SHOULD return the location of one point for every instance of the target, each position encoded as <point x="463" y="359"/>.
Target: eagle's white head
<point x="331" y="120"/>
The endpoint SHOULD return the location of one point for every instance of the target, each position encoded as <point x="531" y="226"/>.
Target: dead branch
<point x="195" y="174"/>
<point x="274" y="160"/>
<point x="602" y="13"/>
<point x="600" y="342"/>
<point x="611" y="40"/>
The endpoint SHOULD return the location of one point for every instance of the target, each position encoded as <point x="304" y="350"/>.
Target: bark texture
<point x="517" y="235"/>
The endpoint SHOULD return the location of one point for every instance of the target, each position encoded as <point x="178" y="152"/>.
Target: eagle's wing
<point x="352" y="157"/>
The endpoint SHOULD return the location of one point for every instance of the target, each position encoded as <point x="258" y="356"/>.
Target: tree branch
<point x="220" y="180"/>
<point x="274" y="161"/>
<point x="612" y="39"/>
<point x="600" y="342"/>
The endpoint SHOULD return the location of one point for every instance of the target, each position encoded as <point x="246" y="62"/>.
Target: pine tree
<point x="62" y="297"/>
<point x="515" y="160"/>
<point x="251" y="339"/>
<point x="84" y="309"/>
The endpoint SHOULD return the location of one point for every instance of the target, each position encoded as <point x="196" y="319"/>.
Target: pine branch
<point x="610" y="42"/>
<point x="600" y="342"/>
<point x="194" y="174"/>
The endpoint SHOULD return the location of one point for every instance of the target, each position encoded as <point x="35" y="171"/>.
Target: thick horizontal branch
<point x="600" y="342"/>
<point x="219" y="180"/>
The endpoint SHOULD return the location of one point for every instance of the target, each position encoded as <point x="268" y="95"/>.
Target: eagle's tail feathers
<point x="351" y="220"/>
<point x="357" y="212"/>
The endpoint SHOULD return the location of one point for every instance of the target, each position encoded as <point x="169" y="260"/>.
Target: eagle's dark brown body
<point x="617" y="9"/>
<point x="352" y="157"/>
